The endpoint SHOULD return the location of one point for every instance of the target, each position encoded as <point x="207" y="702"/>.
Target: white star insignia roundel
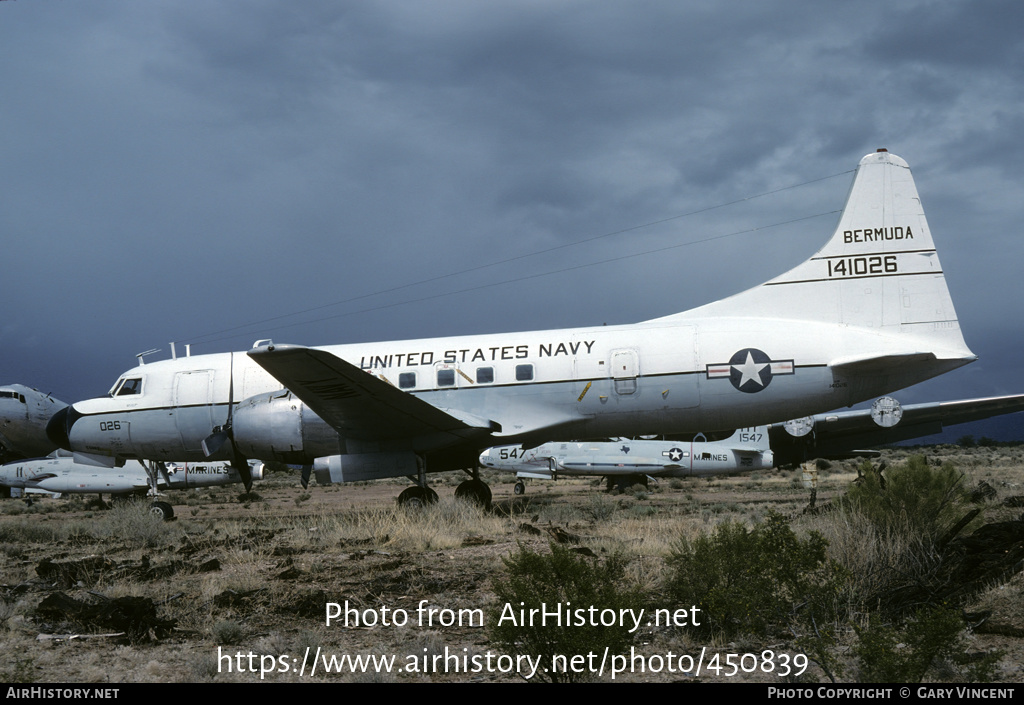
<point x="750" y="370"/>
<point x="674" y="454"/>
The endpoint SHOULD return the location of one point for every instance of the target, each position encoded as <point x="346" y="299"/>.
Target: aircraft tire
<point x="520" y="488"/>
<point x="417" y="496"/>
<point x="163" y="510"/>
<point x="475" y="491"/>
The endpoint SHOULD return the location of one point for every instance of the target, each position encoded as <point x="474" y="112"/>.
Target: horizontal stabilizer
<point x="878" y="364"/>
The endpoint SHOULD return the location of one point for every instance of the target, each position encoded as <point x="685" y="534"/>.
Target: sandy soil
<point x="249" y="583"/>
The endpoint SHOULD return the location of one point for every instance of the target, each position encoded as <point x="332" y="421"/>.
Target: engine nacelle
<point x="353" y="467"/>
<point x="279" y="426"/>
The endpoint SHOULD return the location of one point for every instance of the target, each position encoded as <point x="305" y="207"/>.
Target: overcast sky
<point x="179" y="171"/>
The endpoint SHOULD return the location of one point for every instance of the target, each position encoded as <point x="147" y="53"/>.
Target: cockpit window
<point x="5" y="394"/>
<point x="127" y="387"/>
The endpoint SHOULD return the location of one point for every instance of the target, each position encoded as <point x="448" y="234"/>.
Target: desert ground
<point x="237" y="588"/>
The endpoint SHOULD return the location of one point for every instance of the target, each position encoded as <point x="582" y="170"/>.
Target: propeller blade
<point x="214" y="442"/>
<point x="245" y="472"/>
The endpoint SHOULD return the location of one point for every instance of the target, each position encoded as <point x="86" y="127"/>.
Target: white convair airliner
<point x="868" y="314"/>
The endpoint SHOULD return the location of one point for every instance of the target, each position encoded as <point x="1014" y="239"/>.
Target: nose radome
<point x="58" y="428"/>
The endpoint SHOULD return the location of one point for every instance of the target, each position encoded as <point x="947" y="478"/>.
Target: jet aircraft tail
<point x="753" y="439"/>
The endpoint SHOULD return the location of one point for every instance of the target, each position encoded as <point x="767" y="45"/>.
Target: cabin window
<point x="446" y="378"/>
<point x="407" y="380"/>
<point x="484" y="375"/>
<point x="524" y="373"/>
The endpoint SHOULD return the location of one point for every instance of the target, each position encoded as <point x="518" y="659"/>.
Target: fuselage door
<point x="193" y="407"/>
<point x="625" y="368"/>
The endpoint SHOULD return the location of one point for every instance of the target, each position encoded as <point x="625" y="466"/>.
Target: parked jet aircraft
<point x="633" y="461"/>
<point x="58" y="472"/>
<point x="24" y="413"/>
<point x="837" y="435"/>
<point x="868" y="314"/>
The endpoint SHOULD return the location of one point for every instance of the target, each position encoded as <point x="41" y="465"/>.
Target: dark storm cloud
<point x="175" y="170"/>
<point x="978" y="35"/>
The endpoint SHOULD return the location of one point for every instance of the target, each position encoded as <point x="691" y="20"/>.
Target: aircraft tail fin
<point x="879" y="270"/>
<point x="753" y="439"/>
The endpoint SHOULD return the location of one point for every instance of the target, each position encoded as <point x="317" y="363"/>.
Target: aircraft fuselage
<point x="747" y="450"/>
<point x="586" y="383"/>
<point x="61" y="474"/>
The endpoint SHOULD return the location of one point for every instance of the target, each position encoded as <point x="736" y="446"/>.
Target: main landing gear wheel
<point x="162" y="510"/>
<point x="475" y="491"/>
<point x="416" y="496"/>
<point x="520" y="487"/>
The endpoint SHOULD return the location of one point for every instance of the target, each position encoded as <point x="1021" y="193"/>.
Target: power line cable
<point x="207" y="337"/>
<point x="506" y="281"/>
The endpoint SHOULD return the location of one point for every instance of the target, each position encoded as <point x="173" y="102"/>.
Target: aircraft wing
<point x="839" y="433"/>
<point x="933" y="415"/>
<point x="361" y="406"/>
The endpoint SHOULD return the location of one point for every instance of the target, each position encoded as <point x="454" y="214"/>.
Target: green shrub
<point x="928" y="643"/>
<point x="755" y="581"/>
<point x="915" y="498"/>
<point x="892" y="535"/>
<point x="227" y="632"/>
<point x="135" y="522"/>
<point x="600" y="507"/>
<point x="562" y="579"/>
<point x="22" y="670"/>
